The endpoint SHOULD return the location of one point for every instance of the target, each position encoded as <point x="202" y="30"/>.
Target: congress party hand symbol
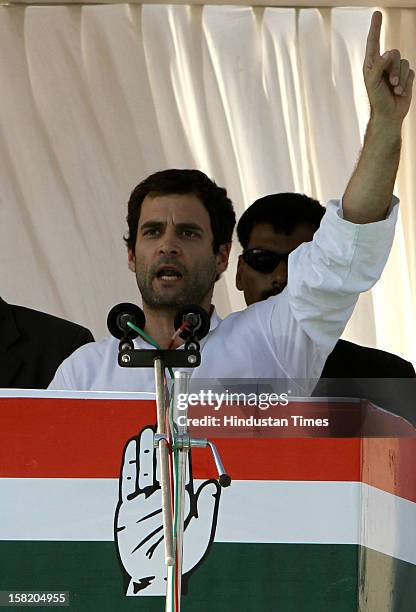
<point x="138" y="520"/>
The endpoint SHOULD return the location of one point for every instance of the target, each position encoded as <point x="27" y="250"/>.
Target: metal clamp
<point x="185" y="443"/>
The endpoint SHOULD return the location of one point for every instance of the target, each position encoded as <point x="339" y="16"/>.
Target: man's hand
<point x="388" y="78"/>
<point x="389" y="83"/>
<point x="138" y="520"/>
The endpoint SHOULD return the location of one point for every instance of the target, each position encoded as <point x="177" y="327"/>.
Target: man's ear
<point x="238" y="275"/>
<point x="131" y="260"/>
<point x="222" y="257"/>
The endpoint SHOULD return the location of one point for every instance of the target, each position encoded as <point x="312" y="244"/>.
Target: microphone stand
<point x="160" y="359"/>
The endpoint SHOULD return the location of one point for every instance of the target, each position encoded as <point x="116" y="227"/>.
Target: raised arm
<point x="389" y="82"/>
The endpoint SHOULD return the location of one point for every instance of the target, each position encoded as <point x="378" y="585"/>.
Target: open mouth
<point x="169" y="274"/>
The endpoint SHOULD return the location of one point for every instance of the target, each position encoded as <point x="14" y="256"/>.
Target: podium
<point x="311" y="523"/>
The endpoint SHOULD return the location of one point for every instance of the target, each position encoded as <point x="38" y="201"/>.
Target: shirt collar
<point x="215" y="320"/>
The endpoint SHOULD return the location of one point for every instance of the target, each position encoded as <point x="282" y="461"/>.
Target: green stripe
<point x="233" y="578"/>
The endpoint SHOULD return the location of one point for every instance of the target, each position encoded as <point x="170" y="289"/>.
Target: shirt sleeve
<point x="326" y="277"/>
<point x="61" y="382"/>
<point x="72" y="374"/>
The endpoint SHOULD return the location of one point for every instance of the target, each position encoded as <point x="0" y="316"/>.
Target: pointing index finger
<point x="372" y="51"/>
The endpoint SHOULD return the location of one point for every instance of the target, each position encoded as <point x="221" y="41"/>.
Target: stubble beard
<point x="195" y="285"/>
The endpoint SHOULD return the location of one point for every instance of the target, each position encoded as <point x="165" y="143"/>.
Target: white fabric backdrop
<point x="94" y="98"/>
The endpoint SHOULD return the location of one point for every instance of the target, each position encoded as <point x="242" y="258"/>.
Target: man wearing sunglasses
<point x="269" y="230"/>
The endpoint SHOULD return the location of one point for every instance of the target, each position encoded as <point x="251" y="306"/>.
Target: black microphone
<point x="197" y="322"/>
<point x="120" y="315"/>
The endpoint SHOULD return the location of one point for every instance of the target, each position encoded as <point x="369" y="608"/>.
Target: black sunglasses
<point x="264" y="261"/>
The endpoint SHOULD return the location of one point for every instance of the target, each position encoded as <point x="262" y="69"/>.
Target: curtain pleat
<point x="94" y="98"/>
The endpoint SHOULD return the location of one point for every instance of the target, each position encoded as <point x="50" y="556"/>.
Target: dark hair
<point x="166" y="182"/>
<point x="284" y="211"/>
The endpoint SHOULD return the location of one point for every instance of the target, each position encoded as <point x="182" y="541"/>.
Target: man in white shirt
<point x="180" y="226"/>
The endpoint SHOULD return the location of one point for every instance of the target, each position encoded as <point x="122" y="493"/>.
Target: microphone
<point x="197" y="322"/>
<point x="120" y="315"/>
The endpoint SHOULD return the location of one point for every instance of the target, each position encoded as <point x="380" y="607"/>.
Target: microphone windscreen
<point x="120" y="315"/>
<point x="197" y="321"/>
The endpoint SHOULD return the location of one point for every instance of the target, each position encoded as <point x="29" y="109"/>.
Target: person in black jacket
<point x="33" y="344"/>
<point x="269" y="230"/>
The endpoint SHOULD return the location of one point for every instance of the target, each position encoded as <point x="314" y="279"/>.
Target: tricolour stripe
<point x="247" y="578"/>
<point x="75" y="438"/>
<point x="250" y="512"/>
<point x="71" y="438"/>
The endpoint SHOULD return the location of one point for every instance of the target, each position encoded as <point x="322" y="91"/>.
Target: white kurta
<point x="288" y="336"/>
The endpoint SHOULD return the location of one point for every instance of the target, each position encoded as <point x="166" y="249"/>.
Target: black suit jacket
<point x="349" y="360"/>
<point x="387" y="380"/>
<point x="33" y="344"/>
